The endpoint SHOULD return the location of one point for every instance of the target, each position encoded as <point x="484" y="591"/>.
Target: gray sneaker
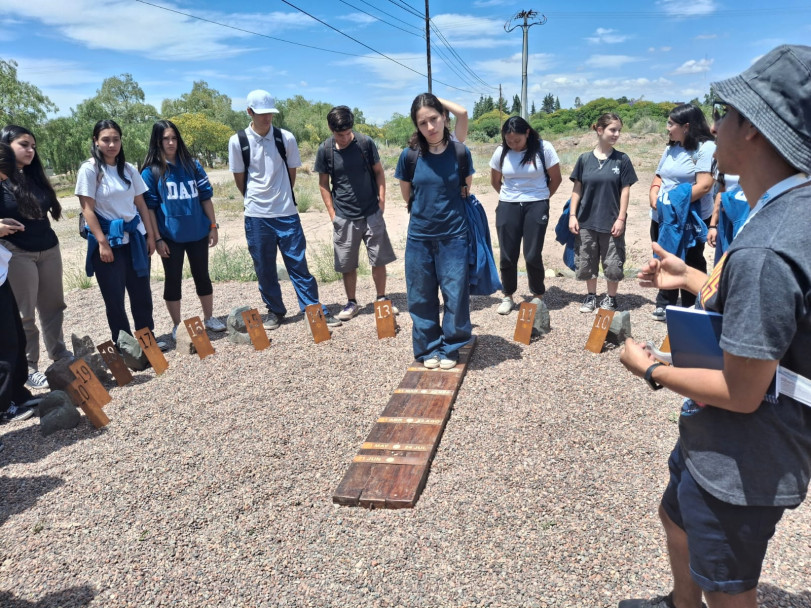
<point x="349" y="311"/>
<point x="272" y="320"/>
<point x="659" y="314"/>
<point x="506" y="305"/>
<point x="37" y="380"/>
<point x="609" y="303"/>
<point x="589" y="303"/>
<point x="663" y="601"/>
<point x="332" y="321"/>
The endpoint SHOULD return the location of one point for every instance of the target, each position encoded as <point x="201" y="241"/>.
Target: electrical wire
<point x="380" y="10"/>
<point x="407" y="8"/>
<point x="382" y="20"/>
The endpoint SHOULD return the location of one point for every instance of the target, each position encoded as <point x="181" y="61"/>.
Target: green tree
<point x="516" y="107"/>
<point x="577" y="103"/>
<point x="64" y="143"/>
<point x="202" y="99"/>
<point x="532" y="110"/>
<point x="205" y="138"/>
<point x="548" y="103"/>
<point x="21" y="103"/>
<point x="557" y="104"/>
<point x="398" y="129"/>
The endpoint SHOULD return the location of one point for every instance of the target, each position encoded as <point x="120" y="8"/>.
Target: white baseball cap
<point x="262" y="102"/>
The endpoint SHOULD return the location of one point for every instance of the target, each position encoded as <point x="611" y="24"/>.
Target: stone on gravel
<point x="85" y="349"/>
<point x="57" y="413"/>
<point x="131" y="352"/>
<point x="237" y="331"/>
<point x="59" y="374"/>
<point x="183" y="341"/>
<point x="543" y="323"/>
<point x="620" y="327"/>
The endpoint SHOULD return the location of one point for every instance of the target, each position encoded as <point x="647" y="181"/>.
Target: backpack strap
<point x="277" y="137"/>
<point x="156" y="178"/>
<point x="543" y="164"/>
<point x="410" y="167"/>
<point x="245" y="147"/>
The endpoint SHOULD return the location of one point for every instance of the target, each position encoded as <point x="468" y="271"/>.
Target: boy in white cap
<point x="743" y="455"/>
<point x="263" y="159"/>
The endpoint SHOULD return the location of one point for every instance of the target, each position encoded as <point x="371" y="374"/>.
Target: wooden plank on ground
<point x="392" y="466"/>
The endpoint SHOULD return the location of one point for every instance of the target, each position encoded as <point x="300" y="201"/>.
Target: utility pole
<point x="526" y="16"/>
<point x="428" y="43"/>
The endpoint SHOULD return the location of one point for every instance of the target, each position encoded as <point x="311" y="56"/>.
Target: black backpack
<point x="245" y="146"/>
<point x="411" y="165"/>
<point x="365" y="144"/>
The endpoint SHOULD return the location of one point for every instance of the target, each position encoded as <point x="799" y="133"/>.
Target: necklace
<point x="600" y="162"/>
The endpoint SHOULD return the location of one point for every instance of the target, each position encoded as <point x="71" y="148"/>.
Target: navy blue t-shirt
<point x="438" y="210"/>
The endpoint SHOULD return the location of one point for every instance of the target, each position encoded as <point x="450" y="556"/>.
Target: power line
<point x="380" y="10"/>
<point x="381" y="20"/>
<point x="407" y="8"/>
<point x="410" y="69"/>
<point x="465" y="66"/>
<point x="239" y="29"/>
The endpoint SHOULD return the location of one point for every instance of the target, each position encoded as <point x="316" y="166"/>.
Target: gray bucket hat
<point x="775" y="95"/>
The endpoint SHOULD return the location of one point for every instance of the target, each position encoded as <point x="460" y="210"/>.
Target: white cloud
<point x="358" y="18"/>
<point x="466" y="31"/>
<point x="56" y="72"/>
<point x="706" y="37"/>
<point x="511" y="66"/>
<point x="666" y="49"/>
<point x="606" y="36"/>
<point x="694" y="66"/>
<point x="489" y="3"/>
<point x="609" y="61"/>
<point x="388" y="75"/>
<point x="679" y="8"/>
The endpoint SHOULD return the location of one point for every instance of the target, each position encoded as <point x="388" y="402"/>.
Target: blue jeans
<point x="438" y="265"/>
<point x="265" y="237"/>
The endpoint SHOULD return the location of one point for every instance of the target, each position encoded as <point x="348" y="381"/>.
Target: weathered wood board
<point x="392" y="465"/>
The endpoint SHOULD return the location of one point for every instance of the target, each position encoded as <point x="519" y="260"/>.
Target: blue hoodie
<point x="176" y="198"/>
<point x="680" y="226"/>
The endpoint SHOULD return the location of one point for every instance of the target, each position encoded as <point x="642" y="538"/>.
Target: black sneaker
<point x="663" y="601"/>
<point x="16" y="413"/>
<point x="659" y="314"/>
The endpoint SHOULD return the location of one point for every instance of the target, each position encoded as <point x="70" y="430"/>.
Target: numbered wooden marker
<point x="121" y="372"/>
<point x="665" y="347"/>
<point x="318" y="324"/>
<point x="79" y="394"/>
<point x="602" y="323"/>
<point x="384" y="319"/>
<point x="253" y="322"/>
<point x="151" y="350"/>
<point x="199" y="337"/>
<point x="86" y="377"/>
<point x="523" y="327"/>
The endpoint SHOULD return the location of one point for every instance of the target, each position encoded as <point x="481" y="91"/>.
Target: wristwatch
<point x="649" y="378"/>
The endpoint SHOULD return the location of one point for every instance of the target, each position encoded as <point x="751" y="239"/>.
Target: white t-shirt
<point x="523" y="183"/>
<point x="115" y="199"/>
<point x="267" y="192"/>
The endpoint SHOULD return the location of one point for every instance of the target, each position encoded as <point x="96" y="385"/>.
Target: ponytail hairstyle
<point x="418" y="139"/>
<point x="604" y="120"/>
<point x="98" y="157"/>
<point x="30" y="186"/>
<point x="698" y="132"/>
<point x="516" y="124"/>
<point x="155" y="156"/>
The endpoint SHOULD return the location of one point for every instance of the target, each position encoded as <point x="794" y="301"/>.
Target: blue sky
<point x="656" y="49"/>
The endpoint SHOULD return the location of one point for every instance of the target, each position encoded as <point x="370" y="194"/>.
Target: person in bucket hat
<point x="744" y="451"/>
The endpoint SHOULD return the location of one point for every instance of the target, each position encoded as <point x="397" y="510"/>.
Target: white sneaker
<point x="506" y="305"/>
<point x="432" y="362"/>
<point x="589" y="303"/>
<point x="37" y="380"/>
<point x="447" y="363"/>
<point x="214" y="324"/>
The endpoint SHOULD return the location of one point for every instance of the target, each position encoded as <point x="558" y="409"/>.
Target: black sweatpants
<point x="514" y="222"/>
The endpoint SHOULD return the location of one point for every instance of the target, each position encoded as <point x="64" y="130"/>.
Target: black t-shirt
<point x="602" y="182"/>
<point x="38" y="234"/>
<point x="354" y="188"/>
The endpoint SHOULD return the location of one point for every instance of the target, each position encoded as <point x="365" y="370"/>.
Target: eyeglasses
<point x="719" y="110"/>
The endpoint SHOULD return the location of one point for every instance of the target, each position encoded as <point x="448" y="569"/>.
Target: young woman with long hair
<point x="599" y="210"/>
<point x="121" y="230"/>
<point x="688" y="158"/>
<point x="179" y="200"/>
<point x="35" y="269"/>
<point x="526" y="173"/>
<point x="436" y="256"/>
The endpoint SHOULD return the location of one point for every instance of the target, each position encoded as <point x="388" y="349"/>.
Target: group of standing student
<point x="166" y="208"/>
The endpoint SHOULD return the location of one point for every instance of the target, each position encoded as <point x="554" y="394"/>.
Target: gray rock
<point x="550" y="273"/>
<point x="57" y="413"/>
<point x="131" y="352"/>
<point x="183" y="342"/>
<point x="620" y="328"/>
<point x="82" y="346"/>
<point x="237" y="332"/>
<point x="52" y="401"/>
<point x="542" y="324"/>
<point x="59" y="374"/>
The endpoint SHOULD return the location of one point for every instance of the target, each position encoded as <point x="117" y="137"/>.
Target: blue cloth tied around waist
<point x="483" y="272"/>
<point x="115" y="231"/>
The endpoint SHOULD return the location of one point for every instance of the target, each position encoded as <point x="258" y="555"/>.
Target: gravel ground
<point x="212" y="485"/>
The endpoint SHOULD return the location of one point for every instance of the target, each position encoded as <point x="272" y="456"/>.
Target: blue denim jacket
<point x="115" y="236"/>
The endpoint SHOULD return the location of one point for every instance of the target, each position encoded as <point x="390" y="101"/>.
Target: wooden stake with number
<point x="318" y="324"/>
<point x="199" y="337"/>
<point x="151" y="350"/>
<point x="602" y="323"/>
<point x="253" y="323"/>
<point x="121" y="372"/>
<point x="88" y="393"/>
<point x="523" y="327"/>
<point x="384" y="318"/>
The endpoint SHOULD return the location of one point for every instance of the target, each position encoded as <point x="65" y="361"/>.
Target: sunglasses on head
<point x="719" y="110"/>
